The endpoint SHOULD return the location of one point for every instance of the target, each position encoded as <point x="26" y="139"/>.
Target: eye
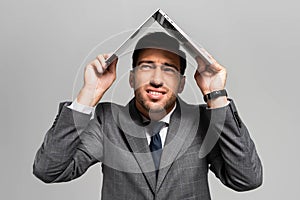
<point x="169" y="70"/>
<point x="145" y="67"/>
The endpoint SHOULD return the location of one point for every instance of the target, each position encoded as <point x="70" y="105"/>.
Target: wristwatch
<point x="214" y="95"/>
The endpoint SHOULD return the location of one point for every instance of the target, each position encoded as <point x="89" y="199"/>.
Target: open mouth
<point x="155" y="94"/>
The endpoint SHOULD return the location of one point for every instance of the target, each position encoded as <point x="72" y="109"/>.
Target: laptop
<point x="172" y="28"/>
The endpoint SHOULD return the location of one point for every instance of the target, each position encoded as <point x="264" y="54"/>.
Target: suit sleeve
<point x="234" y="159"/>
<point x="70" y="147"/>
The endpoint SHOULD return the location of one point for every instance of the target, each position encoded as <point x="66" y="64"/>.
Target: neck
<point x="154" y="115"/>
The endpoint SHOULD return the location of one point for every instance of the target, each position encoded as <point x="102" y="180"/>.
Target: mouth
<point x="155" y="94"/>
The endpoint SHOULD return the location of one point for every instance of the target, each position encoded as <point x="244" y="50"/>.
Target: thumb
<point x="112" y="67"/>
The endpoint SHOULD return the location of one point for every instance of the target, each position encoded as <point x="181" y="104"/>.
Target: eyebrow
<point x="151" y="62"/>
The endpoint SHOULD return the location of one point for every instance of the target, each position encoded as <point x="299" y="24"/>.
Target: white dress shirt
<point x="163" y="131"/>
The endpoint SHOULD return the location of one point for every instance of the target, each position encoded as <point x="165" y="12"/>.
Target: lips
<point x="155" y="94"/>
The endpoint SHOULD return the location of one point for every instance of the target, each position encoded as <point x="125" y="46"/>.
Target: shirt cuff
<point x="81" y="108"/>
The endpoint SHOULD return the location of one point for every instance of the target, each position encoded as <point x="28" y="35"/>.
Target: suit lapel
<point x="181" y="132"/>
<point x="135" y="135"/>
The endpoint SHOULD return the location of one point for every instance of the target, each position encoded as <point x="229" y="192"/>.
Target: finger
<point x="201" y="64"/>
<point x="196" y="74"/>
<point x="114" y="63"/>
<point x="113" y="66"/>
<point x="215" y="66"/>
<point x="96" y="63"/>
<point x="107" y="55"/>
<point x="110" y="56"/>
<point x="101" y="59"/>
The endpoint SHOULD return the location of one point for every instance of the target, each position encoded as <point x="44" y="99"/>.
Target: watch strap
<point x="215" y="94"/>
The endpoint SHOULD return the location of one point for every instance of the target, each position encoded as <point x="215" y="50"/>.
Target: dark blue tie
<point x="155" y="143"/>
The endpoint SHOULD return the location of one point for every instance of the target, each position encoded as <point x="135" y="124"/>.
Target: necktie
<point x="155" y="143"/>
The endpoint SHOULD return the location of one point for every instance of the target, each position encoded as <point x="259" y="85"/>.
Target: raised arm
<point x="233" y="159"/>
<point x="74" y="142"/>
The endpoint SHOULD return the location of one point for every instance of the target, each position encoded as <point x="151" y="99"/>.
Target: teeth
<point x="155" y="93"/>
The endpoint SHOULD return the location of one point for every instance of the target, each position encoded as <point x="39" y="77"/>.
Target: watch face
<point x="218" y="92"/>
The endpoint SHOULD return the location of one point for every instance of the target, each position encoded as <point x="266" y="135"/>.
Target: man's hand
<point x="210" y="78"/>
<point x="97" y="79"/>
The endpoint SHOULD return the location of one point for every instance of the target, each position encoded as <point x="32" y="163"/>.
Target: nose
<point x="157" y="78"/>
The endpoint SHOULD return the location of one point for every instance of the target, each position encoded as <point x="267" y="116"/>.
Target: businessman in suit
<point x="157" y="146"/>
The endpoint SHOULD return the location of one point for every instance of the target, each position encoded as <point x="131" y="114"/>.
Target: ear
<point x="181" y="84"/>
<point x="131" y="79"/>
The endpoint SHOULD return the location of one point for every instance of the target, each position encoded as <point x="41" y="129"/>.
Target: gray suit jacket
<point x="198" y="139"/>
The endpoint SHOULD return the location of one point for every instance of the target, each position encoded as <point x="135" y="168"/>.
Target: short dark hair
<point x="159" y="40"/>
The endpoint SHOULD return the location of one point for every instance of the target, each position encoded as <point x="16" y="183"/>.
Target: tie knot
<point x="156" y="126"/>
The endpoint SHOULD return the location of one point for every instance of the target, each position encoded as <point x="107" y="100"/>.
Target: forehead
<point x="159" y="56"/>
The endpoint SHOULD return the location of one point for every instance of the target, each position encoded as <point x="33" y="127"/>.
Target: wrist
<point x="214" y="94"/>
<point x="216" y="99"/>
<point x="217" y="102"/>
<point x="89" y="96"/>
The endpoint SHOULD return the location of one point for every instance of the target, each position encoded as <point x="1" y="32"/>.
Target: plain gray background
<point x="44" y="44"/>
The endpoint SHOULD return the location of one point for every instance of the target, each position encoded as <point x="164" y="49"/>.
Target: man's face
<point x="156" y="81"/>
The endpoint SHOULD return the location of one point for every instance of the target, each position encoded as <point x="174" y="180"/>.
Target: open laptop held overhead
<point x="172" y="28"/>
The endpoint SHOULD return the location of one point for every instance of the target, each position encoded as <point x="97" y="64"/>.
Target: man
<point x="157" y="146"/>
